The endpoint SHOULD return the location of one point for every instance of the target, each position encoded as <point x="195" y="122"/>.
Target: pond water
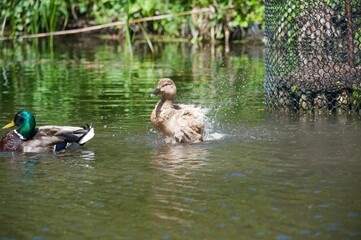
<point x="270" y="176"/>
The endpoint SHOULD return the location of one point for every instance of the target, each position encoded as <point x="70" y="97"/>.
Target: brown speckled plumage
<point x="11" y="142"/>
<point x="184" y="123"/>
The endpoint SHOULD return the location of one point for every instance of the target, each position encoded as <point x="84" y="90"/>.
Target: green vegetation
<point x="104" y="77"/>
<point x="19" y="17"/>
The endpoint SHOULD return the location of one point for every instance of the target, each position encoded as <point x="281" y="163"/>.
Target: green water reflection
<point x="270" y="177"/>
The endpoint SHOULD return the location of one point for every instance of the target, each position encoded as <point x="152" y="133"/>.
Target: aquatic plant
<point x="224" y="17"/>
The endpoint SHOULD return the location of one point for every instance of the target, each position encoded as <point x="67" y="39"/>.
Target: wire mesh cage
<point x="313" y="55"/>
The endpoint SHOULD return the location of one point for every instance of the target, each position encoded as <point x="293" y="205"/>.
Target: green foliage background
<point x="19" y="17"/>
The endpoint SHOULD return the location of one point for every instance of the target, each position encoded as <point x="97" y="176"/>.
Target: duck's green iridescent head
<point x="26" y="123"/>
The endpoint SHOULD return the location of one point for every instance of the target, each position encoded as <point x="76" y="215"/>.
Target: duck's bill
<point x="154" y="93"/>
<point x="9" y="125"/>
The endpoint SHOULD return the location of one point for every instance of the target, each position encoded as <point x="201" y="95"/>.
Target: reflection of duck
<point x="179" y="160"/>
<point x="184" y="123"/>
<point x="181" y="167"/>
<point x="178" y="155"/>
<point x="27" y="138"/>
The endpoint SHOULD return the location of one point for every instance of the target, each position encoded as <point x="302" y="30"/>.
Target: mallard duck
<point x="28" y="138"/>
<point x="184" y="123"/>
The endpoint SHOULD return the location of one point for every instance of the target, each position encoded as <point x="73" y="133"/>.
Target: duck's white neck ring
<point x="20" y="136"/>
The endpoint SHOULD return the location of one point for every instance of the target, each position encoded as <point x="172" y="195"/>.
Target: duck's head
<point x="166" y="88"/>
<point x="26" y="123"/>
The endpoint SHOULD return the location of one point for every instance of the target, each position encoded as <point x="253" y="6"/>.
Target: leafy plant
<point x="18" y="17"/>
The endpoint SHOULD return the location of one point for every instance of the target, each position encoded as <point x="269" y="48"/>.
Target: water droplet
<point x="99" y="204"/>
<point x="221" y="225"/>
<point x="305" y="231"/>
<point x="202" y="209"/>
<point x="237" y="175"/>
<point x="282" y="237"/>
<point x="352" y="214"/>
<point x="38" y="238"/>
<point x="166" y="236"/>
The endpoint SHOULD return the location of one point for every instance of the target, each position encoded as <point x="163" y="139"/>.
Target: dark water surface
<point x="269" y="177"/>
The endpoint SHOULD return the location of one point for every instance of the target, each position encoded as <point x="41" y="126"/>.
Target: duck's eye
<point x="19" y="120"/>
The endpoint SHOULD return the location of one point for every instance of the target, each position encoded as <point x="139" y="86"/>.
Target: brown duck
<point x="28" y="138"/>
<point x="184" y="123"/>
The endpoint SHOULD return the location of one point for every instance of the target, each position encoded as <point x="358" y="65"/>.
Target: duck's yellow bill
<point x="9" y="125"/>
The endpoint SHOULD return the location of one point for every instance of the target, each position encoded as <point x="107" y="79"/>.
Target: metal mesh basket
<point x="313" y="55"/>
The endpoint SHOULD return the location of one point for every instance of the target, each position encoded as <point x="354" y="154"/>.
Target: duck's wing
<point x="193" y="117"/>
<point x="11" y="142"/>
<point x="190" y="122"/>
<point x="186" y="134"/>
<point x="57" y="138"/>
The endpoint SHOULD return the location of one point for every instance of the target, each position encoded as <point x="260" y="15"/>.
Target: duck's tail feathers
<point x="87" y="136"/>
